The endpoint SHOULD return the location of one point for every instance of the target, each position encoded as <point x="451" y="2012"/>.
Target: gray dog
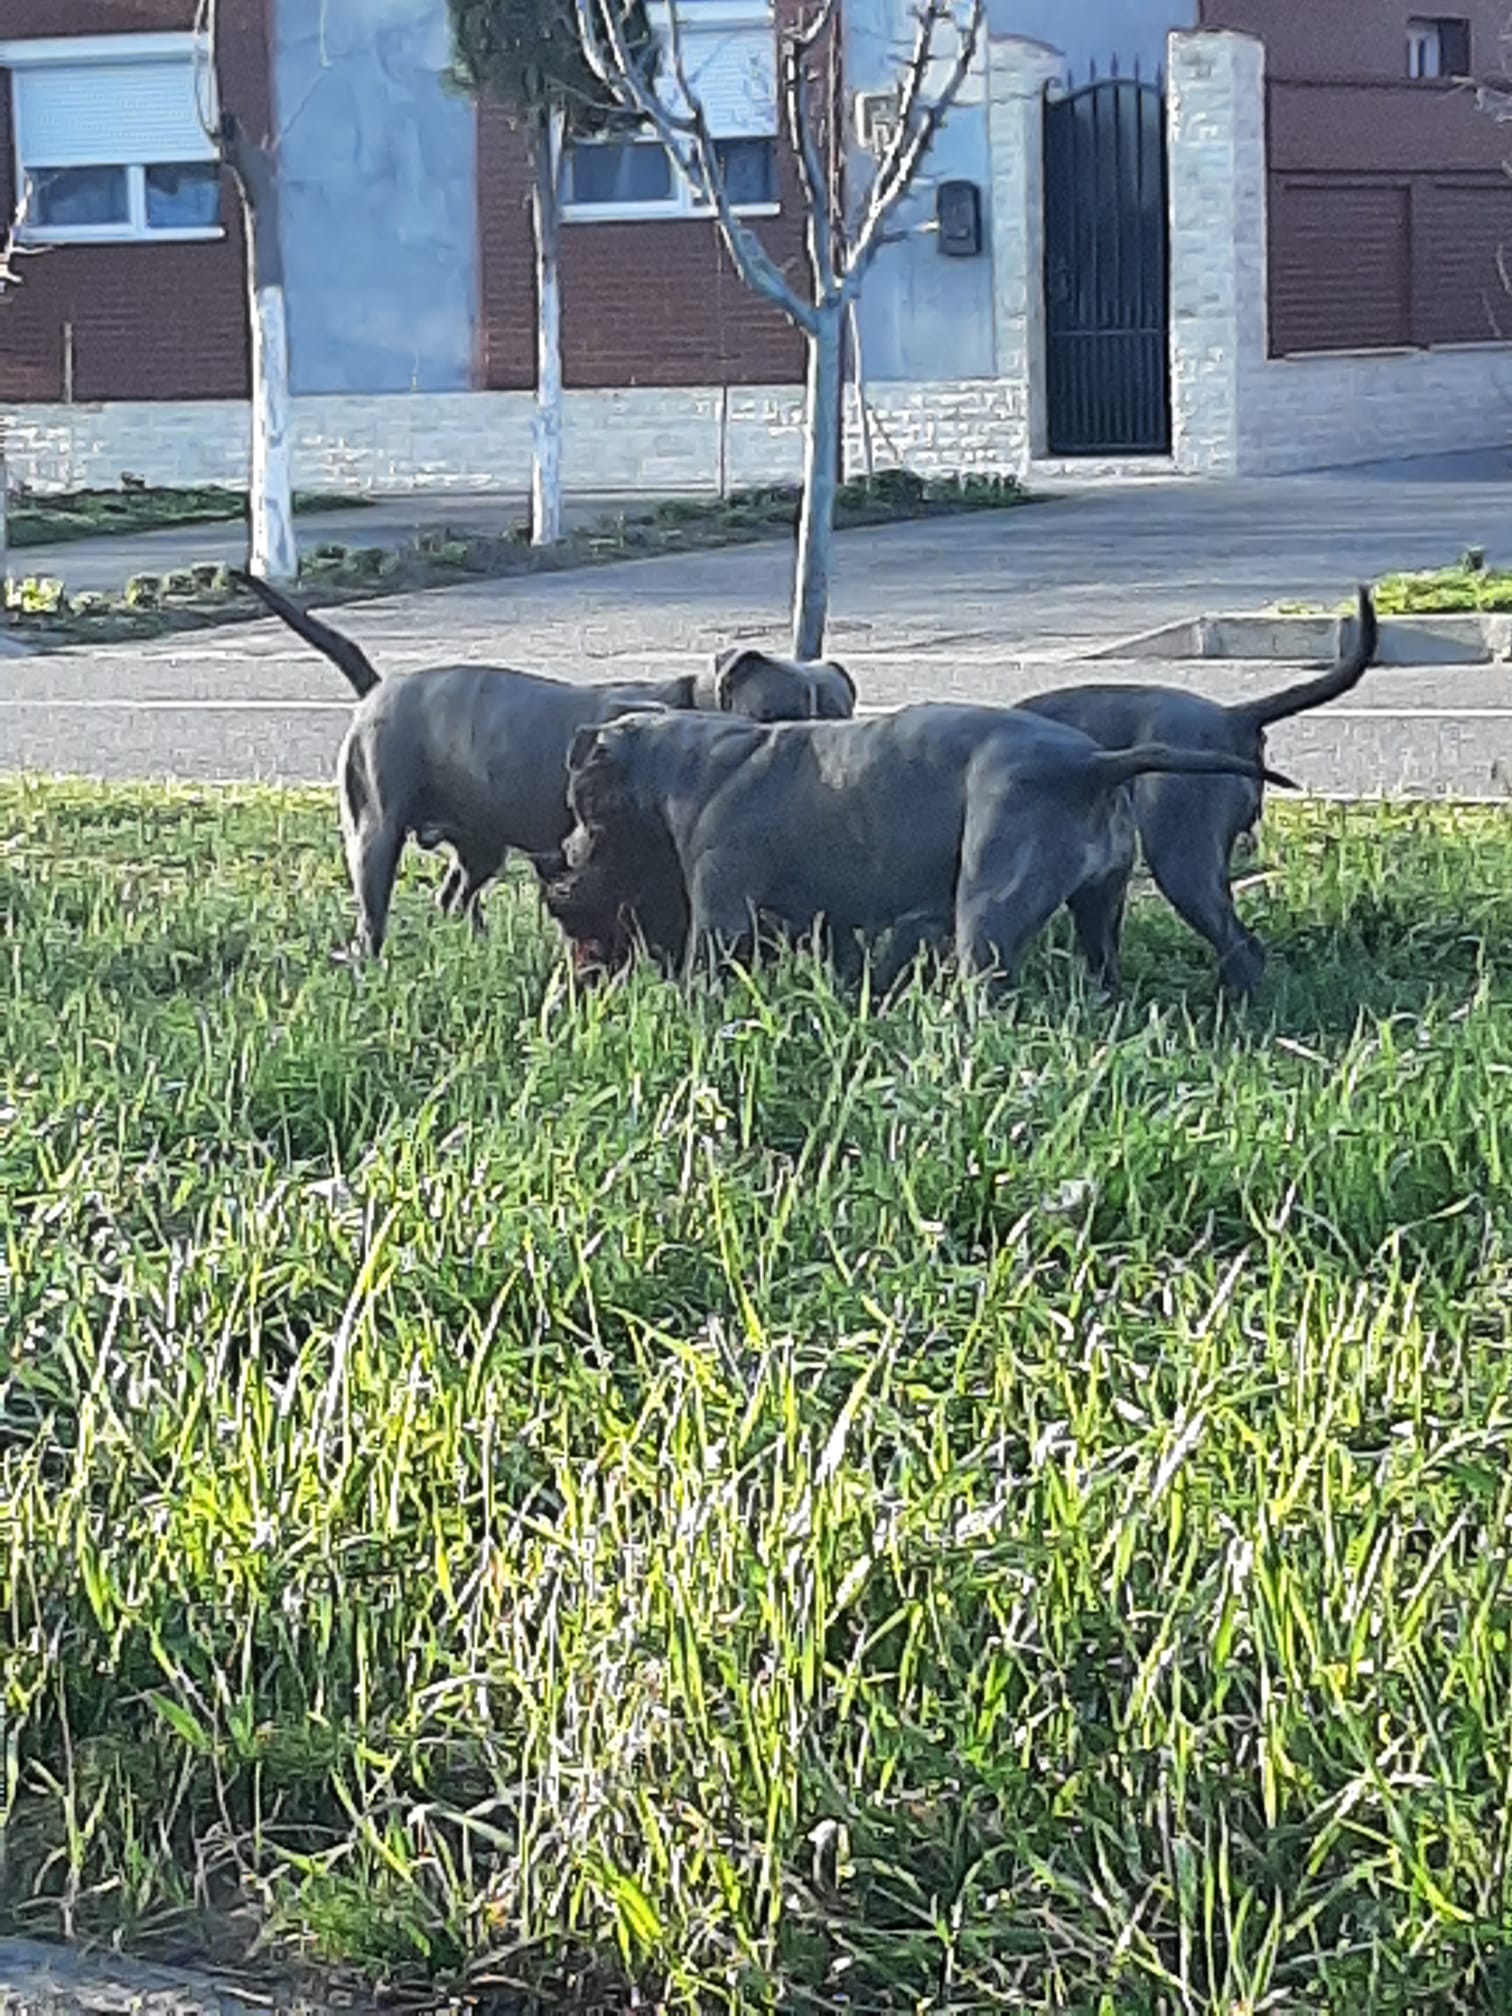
<point x="473" y="756"/>
<point x="967" y="825"/>
<point x="1188" y="825"/>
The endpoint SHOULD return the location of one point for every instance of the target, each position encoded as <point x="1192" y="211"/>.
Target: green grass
<point x="768" y="1500"/>
<point x="45" y="520"/>
<point x="1444" y="591"/>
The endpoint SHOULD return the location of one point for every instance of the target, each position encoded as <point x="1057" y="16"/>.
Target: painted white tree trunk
<point x="821" y="473"/>
<point x="275" y="551"/>
<point x="546" y="471"/>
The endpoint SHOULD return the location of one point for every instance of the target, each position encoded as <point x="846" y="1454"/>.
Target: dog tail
<point x="1344" y="673"/>
<point x="341" y="651"/>
<point x="1111" y="767"/>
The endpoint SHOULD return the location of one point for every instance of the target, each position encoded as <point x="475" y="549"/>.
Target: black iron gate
<point x="1106" y="262"/>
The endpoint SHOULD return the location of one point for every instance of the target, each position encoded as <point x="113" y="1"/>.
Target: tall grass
<point x="754" y="1498"/>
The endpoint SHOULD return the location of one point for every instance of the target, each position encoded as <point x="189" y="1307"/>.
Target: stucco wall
<point x="380" y="197"/>
<point x="921" y="313"/>
<point x="1097" y="31"/>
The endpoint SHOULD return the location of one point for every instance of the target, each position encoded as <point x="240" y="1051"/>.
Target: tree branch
<point x="12" y="249"/>
<point x="688" y="140"/>
<point x="795" y="46"/>
<point x="907" y="149"/>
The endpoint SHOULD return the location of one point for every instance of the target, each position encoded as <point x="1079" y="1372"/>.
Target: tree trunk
<point x="546" y="474"/>
<point x="821" y="472"/>
<point x="274" y="554"/>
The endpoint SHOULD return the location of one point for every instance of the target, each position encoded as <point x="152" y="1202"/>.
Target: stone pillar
<point x="1018" y="70"/>
<point x="1215" y="126"/>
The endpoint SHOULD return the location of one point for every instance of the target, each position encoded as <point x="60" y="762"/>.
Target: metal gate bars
<point x="1106" y="266"/>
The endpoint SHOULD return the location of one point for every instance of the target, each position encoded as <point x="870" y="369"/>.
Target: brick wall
<point x="643" y="303"/>
<point x="1236" y="410"/>
<point x="1357" y="39"/>
<point x="148" y="321"/>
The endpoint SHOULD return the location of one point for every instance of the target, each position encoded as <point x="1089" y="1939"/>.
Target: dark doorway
<point x="1107" y="256"/>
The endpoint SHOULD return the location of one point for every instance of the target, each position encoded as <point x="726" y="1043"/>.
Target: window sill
<point x="657" y="213"/>
<point x="109" y="234"/>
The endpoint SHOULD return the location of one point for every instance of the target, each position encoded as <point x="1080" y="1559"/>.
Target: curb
<point x="1467" y="639"/>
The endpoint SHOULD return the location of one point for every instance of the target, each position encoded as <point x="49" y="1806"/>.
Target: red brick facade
<point x="143" y="321"/>
<point x="1389" y="205"/>
<point x="643" y="303"/>
<point x="653" y="303"/>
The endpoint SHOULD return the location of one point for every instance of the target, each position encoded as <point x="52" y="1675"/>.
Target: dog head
<point x="618" y="881"/>
<point x="766" y="688"/>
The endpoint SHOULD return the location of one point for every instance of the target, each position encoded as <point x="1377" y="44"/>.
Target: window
<point x="618" y="173"/>
<point x="1438" y="47"/>
<point x="729" y="53"/>
<point x="628" y="178"/>
<point x="108" y="132"/>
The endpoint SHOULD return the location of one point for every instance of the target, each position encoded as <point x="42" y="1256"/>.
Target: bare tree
<point x="840" y="248"/>
<point x="274" y="551"/>
<point x="525" y="56"/>
<point x="11" y="250"/>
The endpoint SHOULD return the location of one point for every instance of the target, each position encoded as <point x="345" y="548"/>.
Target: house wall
<point x="379" y="174"/>
<point x="1308" y="39"/>
<point x="1237" y="410"/>
<point x="635" y="442"/>
<point x="922" y="313"/>
<point x="645" y="302"/>
<point x="1098" y="31"/>
<point x="147" y="321"/>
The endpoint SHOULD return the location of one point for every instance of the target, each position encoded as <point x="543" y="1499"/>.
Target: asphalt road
<point x="987" y="607"/>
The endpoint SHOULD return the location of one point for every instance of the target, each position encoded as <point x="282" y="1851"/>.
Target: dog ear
<point x="581" y="748"/>
<point x="841" y="674"/>
<point x="730" y="668"/>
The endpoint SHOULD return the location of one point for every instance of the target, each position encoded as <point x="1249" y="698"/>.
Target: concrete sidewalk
<point x="1282" y="535"/>
<point x="110" y="562"/>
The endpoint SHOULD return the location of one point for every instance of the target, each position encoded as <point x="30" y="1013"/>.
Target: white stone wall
<point x="625" y="442"/>
<point x="1018" y="71"/>
<point x="1215" y="128"/>
<point x="1236" y="410"/>
<point x="1328" y="411"/>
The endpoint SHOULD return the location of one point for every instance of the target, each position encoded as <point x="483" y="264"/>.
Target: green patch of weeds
<point x="740" y="1496"/>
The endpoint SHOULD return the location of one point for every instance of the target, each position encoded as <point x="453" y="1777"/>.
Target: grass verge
<point x="191" y="598"/>
<point x="747" y="1499"/>
<point x="1468" y="586"/>
<point x="45" y="520"/>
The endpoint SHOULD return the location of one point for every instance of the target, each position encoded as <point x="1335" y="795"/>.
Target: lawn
<point x="44" y="519"/>
<point x="755" y="1498"/>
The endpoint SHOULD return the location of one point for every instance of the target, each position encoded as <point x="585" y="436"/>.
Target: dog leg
<point x="373" y="859"/>
<point x="721" y="927"/>
<point x="450" y="891"/>
<point x="1097" y="910"/>
<point x="1017" y="868"/>
<point x="916" y="932"/>
<point x="1189" y="860"/>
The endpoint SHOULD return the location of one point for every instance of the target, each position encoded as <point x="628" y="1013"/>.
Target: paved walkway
<point x="41" y="1979"/>
<point x="985" y="607"/>
<point x="109" y="563"/>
